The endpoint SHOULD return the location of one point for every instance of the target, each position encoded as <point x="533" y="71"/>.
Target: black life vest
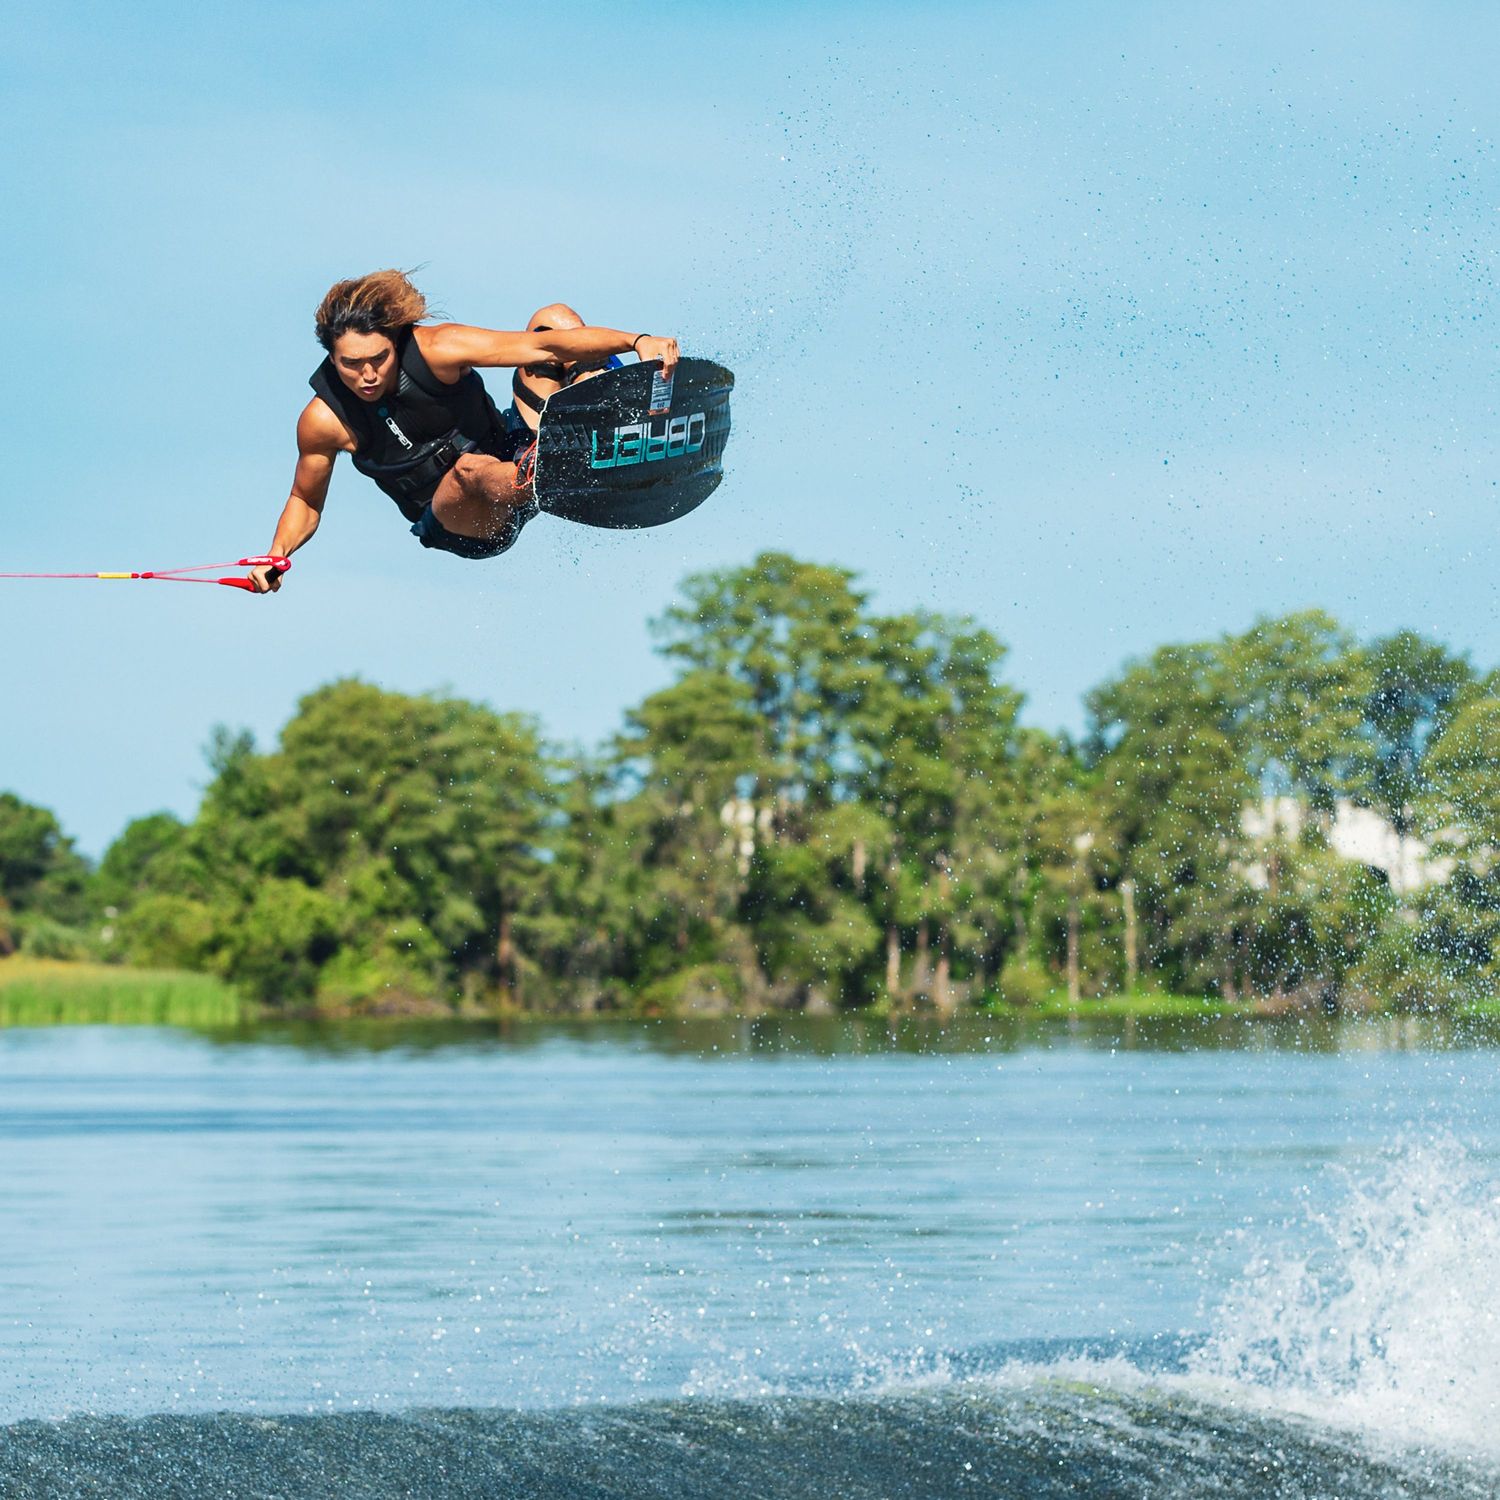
<point x="409" y="439"/>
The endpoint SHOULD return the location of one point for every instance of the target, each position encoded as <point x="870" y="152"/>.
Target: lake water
<point x="786" y="1258"/>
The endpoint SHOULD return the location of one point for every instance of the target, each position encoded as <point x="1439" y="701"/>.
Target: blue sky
<point x="1108" y="324"/>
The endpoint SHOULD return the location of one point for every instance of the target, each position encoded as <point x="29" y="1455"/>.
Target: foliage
<point x="41" y="880"/>
<point x="1175" y="784"/>
<point x="1025" y="982"/>
<point x="1414" y="688"/>
<point x="828" y="805"/>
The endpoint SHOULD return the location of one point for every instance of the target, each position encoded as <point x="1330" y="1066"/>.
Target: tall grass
<point x="48" y="992"/>
<point x="1148" y="1004"/>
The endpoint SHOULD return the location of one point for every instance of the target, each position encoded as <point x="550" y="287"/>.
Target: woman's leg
<point x="480" y="495"/>
<point x="532" y="384"/>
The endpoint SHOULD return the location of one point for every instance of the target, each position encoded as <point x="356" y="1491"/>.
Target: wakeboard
<point x="629" y="448"/>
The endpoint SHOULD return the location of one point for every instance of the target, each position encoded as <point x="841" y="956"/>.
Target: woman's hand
<point x="649" y="346"/>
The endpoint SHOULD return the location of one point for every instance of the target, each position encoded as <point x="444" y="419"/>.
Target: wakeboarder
<point x="405" y="400"/>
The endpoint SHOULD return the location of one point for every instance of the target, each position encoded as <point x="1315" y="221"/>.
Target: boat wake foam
<point x="1051" y="1437"/>
<point x="1358" y="1357"/>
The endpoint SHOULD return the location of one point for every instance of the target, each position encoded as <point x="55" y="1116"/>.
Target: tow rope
<point x="180" y="575"/>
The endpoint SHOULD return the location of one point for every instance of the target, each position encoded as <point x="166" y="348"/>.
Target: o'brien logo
<point x="390" y="422"/>
<point x="647" y="442"/>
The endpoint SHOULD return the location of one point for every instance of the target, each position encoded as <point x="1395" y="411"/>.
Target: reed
<point x="1147" y="1004"/>
<point x="46" y="992"/>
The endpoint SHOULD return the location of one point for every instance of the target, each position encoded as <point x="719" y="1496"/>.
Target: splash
<point x="1381" y="1315"/>
<point x="1370" y="1315"/>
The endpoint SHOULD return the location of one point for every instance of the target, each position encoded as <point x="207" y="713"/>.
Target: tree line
<point x="828" y="806"/>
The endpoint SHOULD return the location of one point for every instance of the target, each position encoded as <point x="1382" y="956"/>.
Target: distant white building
<point x="745" y="822"/>
<point x="1357" y="833"/>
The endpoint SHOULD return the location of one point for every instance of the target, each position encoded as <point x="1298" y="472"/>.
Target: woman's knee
<point x="471" y="472"/>
<point x="555" y="315"/>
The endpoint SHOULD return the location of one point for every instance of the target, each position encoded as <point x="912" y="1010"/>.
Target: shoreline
<point x="50" y="992"/>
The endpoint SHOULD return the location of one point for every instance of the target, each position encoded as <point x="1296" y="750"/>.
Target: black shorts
<point x="432" y="533"/>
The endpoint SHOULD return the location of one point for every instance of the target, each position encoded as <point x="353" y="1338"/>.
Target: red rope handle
<point x="179" y="575"/>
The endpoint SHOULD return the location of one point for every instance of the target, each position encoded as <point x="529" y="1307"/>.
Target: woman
<point x="405" y="399"/>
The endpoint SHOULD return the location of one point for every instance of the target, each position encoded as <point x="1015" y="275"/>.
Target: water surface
<point x="544" y="1217"/>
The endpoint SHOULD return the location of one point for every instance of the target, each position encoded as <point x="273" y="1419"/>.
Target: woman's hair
<point x="382" y="302"/>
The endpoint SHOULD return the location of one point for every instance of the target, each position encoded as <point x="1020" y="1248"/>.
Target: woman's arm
<point x="453" y="349"/>
<point x="319" y="438"/>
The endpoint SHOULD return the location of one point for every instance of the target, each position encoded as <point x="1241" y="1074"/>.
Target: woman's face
<point x="366" y="363"/>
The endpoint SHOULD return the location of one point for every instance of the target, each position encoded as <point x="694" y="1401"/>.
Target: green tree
<point x="581" y="930"/>
<point x="151" y="854"/>
<point x="799" y="645"/>
<point x="42" y="877"/>
<point x="450" y="800"/>
<point x="1415" y="687"/>
<point x="1295" y="690"/>
<point x="388" y="843"/>
<point x="1175" y="784"/>
<point x="830" y="804"/>
<point x="934" y="743"/>
<point x="168" y="930"/>
<point x="798" y="639"/>
<point x="688" y="759"/>
<point x="880" y="795"/>
<point x="1304" y="938"/>
<point x="1078" y="903"/>
<point x="1452" y="950"/>
<point x="813" y="932"/>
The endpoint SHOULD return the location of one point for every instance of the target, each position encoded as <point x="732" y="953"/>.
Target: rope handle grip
<point x="277" y="564"/>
